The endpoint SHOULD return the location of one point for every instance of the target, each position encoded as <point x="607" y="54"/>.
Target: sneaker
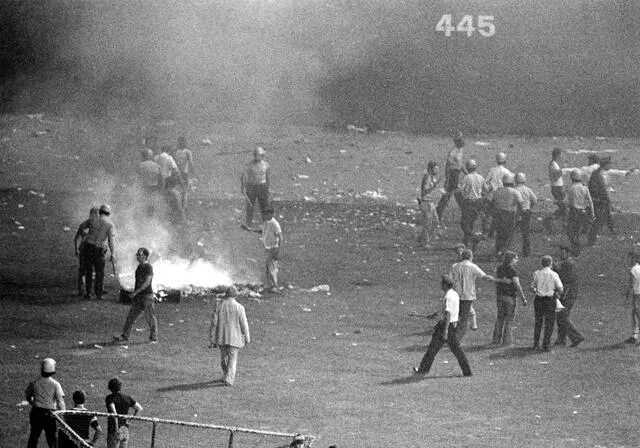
<point x="535" y="347"/>
<point x="245" y="227"/>
<point x="153" y="341"/>
<point x="467" y="374"/>
<point x="631" y="340"/>
<point x="576" y="342"/>
<point x="275" y="290"/>
<point x="416" y="372"/>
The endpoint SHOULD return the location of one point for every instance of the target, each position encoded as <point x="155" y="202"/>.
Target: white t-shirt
<point x="635" y="273"/>
<point x="270" y="234"/>
<point x="553" y="168"/>
<point x="451" y="303"/>
<point x="167" y="164"/>
<point x="464" y="276"/>
<point x="545" y="282"/>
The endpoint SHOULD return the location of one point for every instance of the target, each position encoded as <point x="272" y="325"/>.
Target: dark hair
<point x="447" y="281"/>
<point x="165" y="148"/>
<point x="556" y="152"/>
<point x="115" y="384"/>
<point x="144" y="251"/>
<point x="431" y="165"/>
<point x="593" y="158"/>
<point x="182" y="142"/>
<point x="635" y="256"/>
<point x="546" y="260"/>
<point x="466" y="254"/>
<point x="79" y="397"/>
<point x="509" y="256"/>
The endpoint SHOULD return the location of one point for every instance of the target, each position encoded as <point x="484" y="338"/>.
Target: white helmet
<point x="48" y="365"/>
<point x="501" y="157"/>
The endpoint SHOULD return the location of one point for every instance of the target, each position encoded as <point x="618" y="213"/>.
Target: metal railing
<point x="62" y="426"/>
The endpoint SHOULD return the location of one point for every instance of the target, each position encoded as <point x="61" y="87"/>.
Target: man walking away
<point x="546" y="285"/>
<point x="452" y="169"/>
<point x="507" y="204"/>
<point x="557" y="188"/>
<point x="445" y="331"/>
<point x="101" y="235"/>
<point x="472" y="190"/>
<point x="119" y="403"/>
<point x="529" y="200"/>
<point x="272" y="239"/>
<point x="229" y="331"/>
<point x="568" y="273"/>
<point x="81" y="424"/>
<point x="598" y="187"/>
<point x="78" y="243"/>
<point x="580" y="206"/>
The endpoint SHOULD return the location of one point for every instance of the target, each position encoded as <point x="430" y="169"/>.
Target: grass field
<point x="335" y="365"/>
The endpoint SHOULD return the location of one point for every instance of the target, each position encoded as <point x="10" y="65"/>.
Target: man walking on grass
<point x="445" y="331"/>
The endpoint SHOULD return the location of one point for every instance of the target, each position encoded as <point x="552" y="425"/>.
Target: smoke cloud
<point x="562" y="67"/>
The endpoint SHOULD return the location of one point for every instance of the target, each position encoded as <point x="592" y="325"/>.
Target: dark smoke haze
<point x="553" y="67"/>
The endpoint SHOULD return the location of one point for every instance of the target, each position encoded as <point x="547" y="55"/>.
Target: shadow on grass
<point x="104" y="344"/>
<point x="416" y="379"/>
<point x="514" y="353"/>
<point x="415" y="348"/>
<point x="194" y="386"/>
<point x="617" y="346"/>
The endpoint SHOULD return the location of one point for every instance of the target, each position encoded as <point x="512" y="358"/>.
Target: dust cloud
<point x="564" y="67"/>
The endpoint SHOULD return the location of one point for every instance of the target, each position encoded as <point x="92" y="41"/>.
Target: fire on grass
<point x="176" y="279"/>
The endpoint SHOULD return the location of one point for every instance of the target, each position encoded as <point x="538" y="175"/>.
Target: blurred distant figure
<point x="254" y="185"/>
<point x="445" y="331"/>
<point x="229" y="331"/>
<point x="101" y="235"/>
<point x="172" y="183"/>
<point x="428" y="192"/>
<point x="472" y="190"/>
<point x="184" y="160"/>
<point x="598" y="187"/>
<point x="45" y="395"/>
<point x="580" y="207"/>
<point x="529" y="200"/>
<point x="546" y="285"/>
<point x="507" y="204"/>
<point x="557" y="189"/>
<point x="452" y="169"/>
<point x="119" y="403"/>
<point x="78" y="243"/>
<point x="150" y="181"/>
<point x="272" y="239"/>
<point x="633" y="293"/>
<point x="80" y="423"/>
<point x="568" y="273"/>
<point x="142" y="299"/>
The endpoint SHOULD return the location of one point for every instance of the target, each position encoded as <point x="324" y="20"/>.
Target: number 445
<point x="485" y="27"/>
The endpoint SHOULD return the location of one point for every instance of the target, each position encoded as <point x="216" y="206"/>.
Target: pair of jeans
<point x="471" y="209"/>
<point x="504" y="222"/>
<point x="228" y="362"/>
<point x="602" y="212"/>
<point x="272" y="266"/>
<point x="503" y="329"/>
<point x="119" y="438"/>
<point x="94" y="260"/>
<point x="437" y="341"/>
<point x="41" y="419"/>
<point x="565" y="327"/>
<point x="463" y="318"/>
<point x="525" y="229"/>
<point x="260" y="193"/>
<point x="545" y="312"/>
<point x="142" y="304"/>
<point x="577" y="221"/>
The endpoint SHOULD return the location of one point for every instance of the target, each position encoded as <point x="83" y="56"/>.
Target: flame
<point x="180" y="274"/>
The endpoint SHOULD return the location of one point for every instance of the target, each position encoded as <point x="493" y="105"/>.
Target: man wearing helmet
<point x="580" y="206"/>
<point x="254" y="185"/>
<point x="506" y="204"/>
<point x="100" y="236"/>
<point x="150" y="181"/>
<point x="494" y="181"/>
<point x="45" y="395"/>
<point x="529" y="200"/>
<point x="472" y="190"/>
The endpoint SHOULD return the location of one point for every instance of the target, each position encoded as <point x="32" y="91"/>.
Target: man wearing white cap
<point x="45" y="395"/>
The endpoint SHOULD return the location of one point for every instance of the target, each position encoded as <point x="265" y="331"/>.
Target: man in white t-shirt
<point x="272" y="239"/>
<point x="445" y="331"/>
<point x="546" y="285"/>
<point x="557" y="188"/>
<point x="464" y="274"/>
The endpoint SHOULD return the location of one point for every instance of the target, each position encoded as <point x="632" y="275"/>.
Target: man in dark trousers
<point x="142" y="299"/>
<point x="452" y="169"/>
<point x="445" y="331"/>
<point x="568" y="273"/>
<point x="100" y="237"/>
<point x="598" y="186"/>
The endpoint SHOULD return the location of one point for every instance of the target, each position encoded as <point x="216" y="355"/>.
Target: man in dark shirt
<point x="142" y="299"/>
<point x="506" y="299"/>
<point x="119" y="403"/>
<point x="80" y="423"/>
<point x="600" y="196"/>
<point x="568" y="273"/>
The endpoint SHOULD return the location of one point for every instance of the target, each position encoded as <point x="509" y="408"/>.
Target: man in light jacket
<point x="229" y="332"/>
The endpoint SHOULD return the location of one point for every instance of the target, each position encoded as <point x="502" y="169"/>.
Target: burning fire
<point x="181" y="274"/>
